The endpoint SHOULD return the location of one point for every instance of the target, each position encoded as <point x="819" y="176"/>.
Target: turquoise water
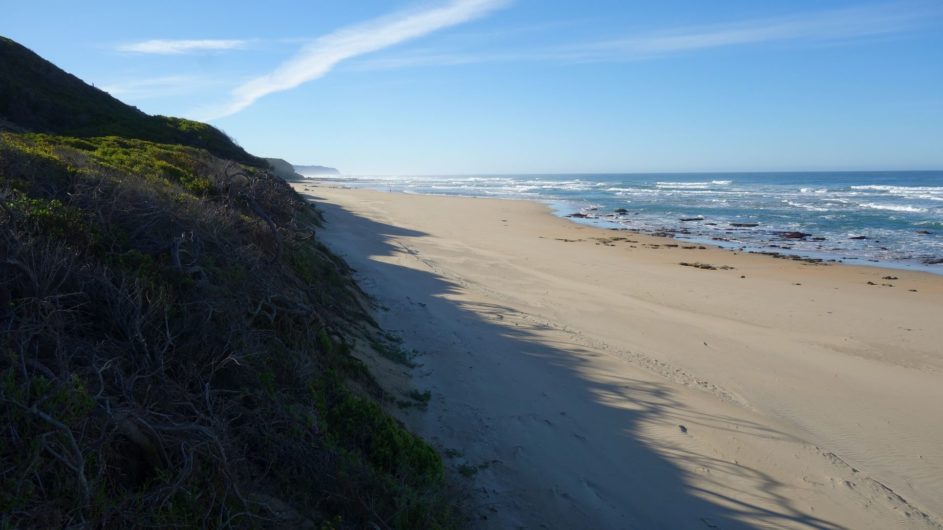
<point x="887" y="218"/>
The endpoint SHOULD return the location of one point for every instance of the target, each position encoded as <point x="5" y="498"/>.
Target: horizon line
<point x="657" y="172"/>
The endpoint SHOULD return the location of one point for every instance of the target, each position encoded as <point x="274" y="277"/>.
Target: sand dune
<point x="595" y="382"/>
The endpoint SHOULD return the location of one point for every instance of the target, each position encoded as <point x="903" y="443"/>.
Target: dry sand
<point x="563" y="365"/>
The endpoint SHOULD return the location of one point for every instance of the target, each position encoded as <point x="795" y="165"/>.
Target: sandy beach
<point x="587" y="378"/>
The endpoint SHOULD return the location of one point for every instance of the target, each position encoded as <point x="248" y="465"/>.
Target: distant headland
<point x="290" y="172"/>
<point x="316" y="170"/>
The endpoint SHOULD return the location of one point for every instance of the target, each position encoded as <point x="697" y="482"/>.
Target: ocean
<point x="892" y="219"/>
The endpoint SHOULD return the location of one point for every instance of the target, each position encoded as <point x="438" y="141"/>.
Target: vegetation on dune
<point x="36" y="95"/>
<point x="175" y="347"/>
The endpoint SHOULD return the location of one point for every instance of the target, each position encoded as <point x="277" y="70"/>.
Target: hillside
<point x="177" y="346"/>
<point x="283" y="169"/>
<point x="38" y="96"/>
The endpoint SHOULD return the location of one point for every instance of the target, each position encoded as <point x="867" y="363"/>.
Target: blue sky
<point x="524" y="86"/>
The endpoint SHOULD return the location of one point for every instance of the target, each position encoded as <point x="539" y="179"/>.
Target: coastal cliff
<point x="283" y="169"/>
<point x="316" y="170"/>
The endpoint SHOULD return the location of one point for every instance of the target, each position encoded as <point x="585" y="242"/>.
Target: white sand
<point x="810" y="399"/>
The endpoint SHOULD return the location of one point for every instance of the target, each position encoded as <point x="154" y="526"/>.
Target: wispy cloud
<point x="180" y="47"/>
<point x="426" y="58"/>
<point x="316" y="59"/>
<point x="810" y="28"/>
<point x="815" y="27"/>
<point x="430" y="58"/>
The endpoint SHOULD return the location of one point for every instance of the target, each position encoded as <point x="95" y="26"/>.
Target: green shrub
<point x="384" y="443"/>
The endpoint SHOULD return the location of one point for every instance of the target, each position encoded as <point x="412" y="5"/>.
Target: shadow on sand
<point x="591" y="469"/>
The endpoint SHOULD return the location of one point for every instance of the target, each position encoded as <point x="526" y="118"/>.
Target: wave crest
<point x="893" y="207"/>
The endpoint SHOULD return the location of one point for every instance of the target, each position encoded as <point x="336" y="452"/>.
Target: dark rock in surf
<point x="794" y="235"/>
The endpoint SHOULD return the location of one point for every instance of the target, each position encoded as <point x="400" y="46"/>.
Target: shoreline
<point x="559" y="207"/>
<point x="782" y="253"/>
<point x="777" y="369"/>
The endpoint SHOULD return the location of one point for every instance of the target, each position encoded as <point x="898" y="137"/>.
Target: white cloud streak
<point x="811" y="28"/>
<point x="181" y="47"/>
<point x="816" y="27"/>
<point x="316" y="59"/>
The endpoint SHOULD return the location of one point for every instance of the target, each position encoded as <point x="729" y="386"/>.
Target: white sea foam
<point x="893" y="207"/>
<point x="696" y="191"/>
<point x="929" y="193"/>
<point x="683" y="185"/>
<point x="876" y="187"/>
<point x="804" y="206"/>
